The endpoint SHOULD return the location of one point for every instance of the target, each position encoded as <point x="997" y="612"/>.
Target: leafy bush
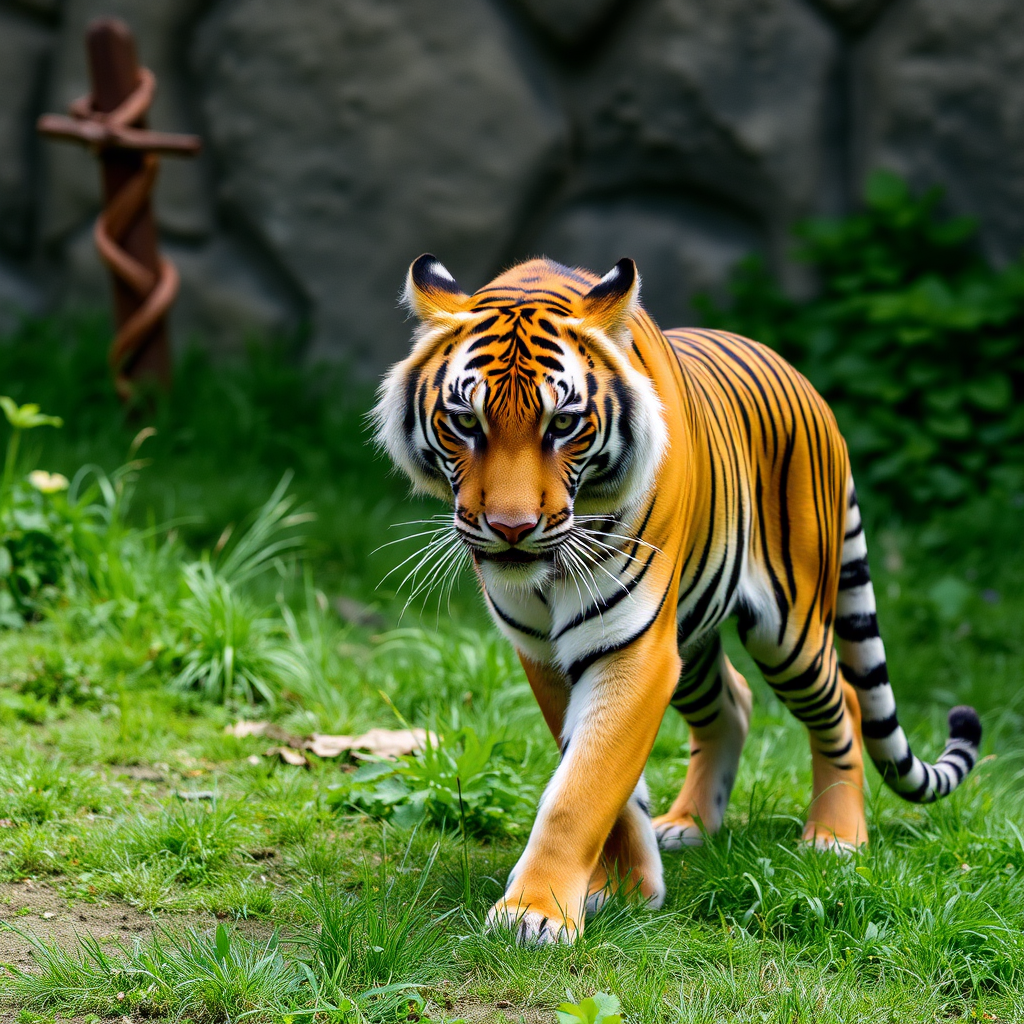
<point x="34" y="541"/>
<point x="463" y="780"/>
<point x="915" y="342"/>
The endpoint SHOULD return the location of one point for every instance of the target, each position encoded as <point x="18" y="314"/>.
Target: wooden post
<point x="112" y="122"/>
<point x="114" y="72"/>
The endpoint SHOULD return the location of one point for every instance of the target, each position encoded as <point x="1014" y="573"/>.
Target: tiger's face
<point x="519" y="404"/>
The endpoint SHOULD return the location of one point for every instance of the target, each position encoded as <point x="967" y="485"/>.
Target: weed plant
<point x="917" y="344"/>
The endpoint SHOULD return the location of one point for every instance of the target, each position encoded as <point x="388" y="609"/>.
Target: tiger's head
<point x="520" y="405"/>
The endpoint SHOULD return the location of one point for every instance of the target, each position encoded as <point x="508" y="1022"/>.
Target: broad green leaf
<point x="25" y="417"/>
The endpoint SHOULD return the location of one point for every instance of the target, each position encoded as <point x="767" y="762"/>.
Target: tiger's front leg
<point x="611" y="721"/>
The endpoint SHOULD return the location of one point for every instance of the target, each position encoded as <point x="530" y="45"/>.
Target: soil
<point x="39" y="911"/>
<point x="502" y="1012"/>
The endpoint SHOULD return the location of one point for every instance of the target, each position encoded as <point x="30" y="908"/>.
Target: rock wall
<point x="345" y="137"/>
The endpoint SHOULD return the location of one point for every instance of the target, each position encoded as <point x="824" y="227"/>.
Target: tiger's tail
<point x="862" y="660"/>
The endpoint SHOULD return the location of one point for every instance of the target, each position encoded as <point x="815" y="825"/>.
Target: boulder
<point x="23" y="50"/>
<point x="568" y="22"/>
<point x="353" y="135"/>
<point x="940" y="100"/>
<point x="46" y="8"/>
<point x="680" y="248"/>
<point x="852" y="14"/>
<point x="732" y="98"/>
<point x="227" y="300"/>
<point x="18" y="297"/>
<point x="72" y="180"/>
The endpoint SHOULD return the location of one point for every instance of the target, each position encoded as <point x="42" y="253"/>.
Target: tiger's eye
<point x="466" y="420"/>
<point x="563" y="421"/>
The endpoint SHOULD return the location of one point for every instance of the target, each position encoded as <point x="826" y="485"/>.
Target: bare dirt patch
<point x="38" y="911"/>
<point x="501" y="1012"/>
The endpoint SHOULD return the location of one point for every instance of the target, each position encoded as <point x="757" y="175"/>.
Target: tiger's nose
<point x="511" y="531"/>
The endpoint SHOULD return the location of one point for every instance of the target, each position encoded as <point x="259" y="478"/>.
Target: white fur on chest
<point x="572" y="616"/>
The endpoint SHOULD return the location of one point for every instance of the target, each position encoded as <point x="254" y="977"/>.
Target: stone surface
<point x="356" y="134"/>
<point x="940" y="99"/>
<point x="680" y="248"/>
<point x="568" y="21"/>
<point x="23" y="49"/>
<point x="727" y="97"/>
<point x="183" y="203"/>
<point x="18" y="297"/>
<point x="49" y="8"/>
<point x="345" y="137"/>
<point x="227" y="300"/>
<point x="852" y="14"/>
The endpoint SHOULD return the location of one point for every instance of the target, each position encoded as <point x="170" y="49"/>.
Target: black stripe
<point x="854" y="574"/>
<point x="877" y="676"/>
<point x="856" y="627"/>
<point x="688" y="707"/>
<point x="578" y="667"/>
<point x="880" y="728"/>
<point x="518" y="626"/>
<point x="838" y="753"/>
<point x="605" y="604"/>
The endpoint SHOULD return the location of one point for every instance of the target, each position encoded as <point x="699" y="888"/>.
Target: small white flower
<point x="48" y="483"/>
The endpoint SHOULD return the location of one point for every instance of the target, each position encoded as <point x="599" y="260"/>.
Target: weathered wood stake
<point x="112" y="122"/>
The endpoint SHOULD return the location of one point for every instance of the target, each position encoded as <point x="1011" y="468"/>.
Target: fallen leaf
<point x="289" y="756"/>
<point x="253" y="759"/>
<point x="329" y="746"/>
<point x="47" y="914"/>
<point x="389" y="743"/>
<point x="242" y="729"/>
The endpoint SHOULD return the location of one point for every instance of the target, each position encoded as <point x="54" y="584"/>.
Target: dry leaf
<point x="242" y="729"/>
<point x="329" y="746"/>
<point x="289" y="756"/>
<point x="253" y="759"/>
<point x="390" y="743"/>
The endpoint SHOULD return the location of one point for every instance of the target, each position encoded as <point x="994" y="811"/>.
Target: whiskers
<point x="582" y="553"/>
<point x="436" y="565"/>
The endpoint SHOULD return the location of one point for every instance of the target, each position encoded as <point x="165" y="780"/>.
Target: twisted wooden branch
<point x="149" y="290"/>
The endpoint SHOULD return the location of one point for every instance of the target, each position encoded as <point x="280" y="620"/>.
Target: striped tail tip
<point x="920" y="782"/>
<point x="965" y="726"/>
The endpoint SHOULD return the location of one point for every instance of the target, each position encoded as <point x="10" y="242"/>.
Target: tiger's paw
<point x="647" y="887"/>
<point x="531" y="927"/>
<point x="675" y="833"/>
<point x="826" y="839"/>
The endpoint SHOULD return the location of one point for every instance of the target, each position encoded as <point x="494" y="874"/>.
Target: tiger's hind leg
<point x="813" y="688"/>
<point x="716" y="702"/>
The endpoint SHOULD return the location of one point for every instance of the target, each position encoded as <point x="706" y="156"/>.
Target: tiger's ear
<point x="430" y="290"/>
<point x="609" y="303"/>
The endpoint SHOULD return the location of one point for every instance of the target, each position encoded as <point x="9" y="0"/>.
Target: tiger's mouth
<point x="513" y="556"/>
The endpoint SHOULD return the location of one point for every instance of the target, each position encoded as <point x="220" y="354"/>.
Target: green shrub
<point x="459" y="781"/>
<point x="916" y="343"/>
<point x="34" y="536"/>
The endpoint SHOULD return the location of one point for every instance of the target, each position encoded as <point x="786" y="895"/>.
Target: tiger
<point x="622" y="491"/>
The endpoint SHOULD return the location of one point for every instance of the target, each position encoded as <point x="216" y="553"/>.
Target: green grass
<point x="278" y="898"/>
